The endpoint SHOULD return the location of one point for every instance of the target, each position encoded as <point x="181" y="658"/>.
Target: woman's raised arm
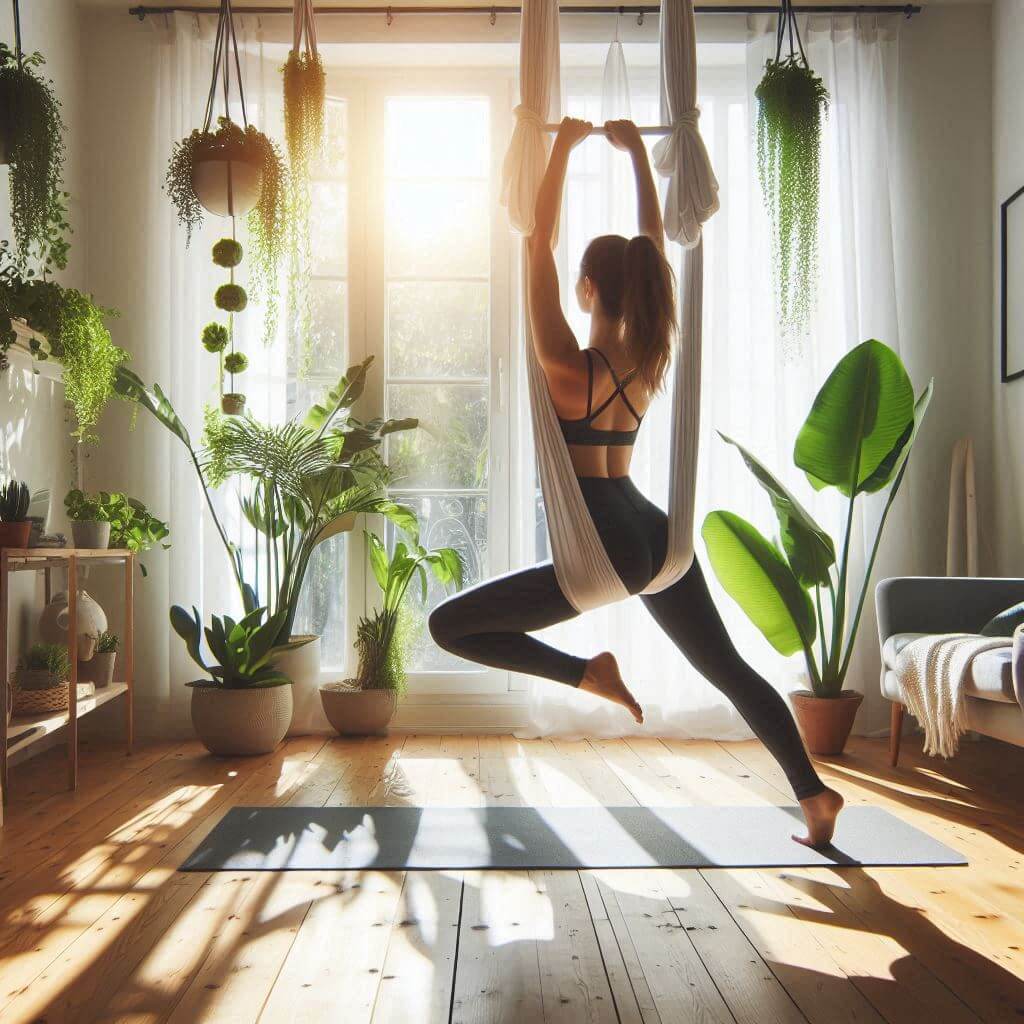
<point x="624" y="135"/>
<point x="556" y="346"/>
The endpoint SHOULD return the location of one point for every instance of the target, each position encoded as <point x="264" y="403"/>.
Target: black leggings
<point x="490" y="623"/>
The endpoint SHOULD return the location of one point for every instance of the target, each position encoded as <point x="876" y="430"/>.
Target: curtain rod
<point x="908" y="10"/>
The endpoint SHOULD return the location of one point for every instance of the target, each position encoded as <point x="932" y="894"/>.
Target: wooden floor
<point x="97" y="925"/>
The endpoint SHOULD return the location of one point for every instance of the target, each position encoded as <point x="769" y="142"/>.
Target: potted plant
<point x="100" y="668"/>
<point x="245" y="706"/>
<point x="112" y="519"/>
<point x="365" y="704"/>
<point x="89" y="515"/>
<point x="14" y="522"/>
<point x="40" y="680"/>
<point x="32" y="143"/>
<point x="857" y="438"/>
<point x="301" y="483"/>
<point x="791" y="103"/>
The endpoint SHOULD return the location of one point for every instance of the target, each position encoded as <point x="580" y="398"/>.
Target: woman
<point x="601" y="393"/>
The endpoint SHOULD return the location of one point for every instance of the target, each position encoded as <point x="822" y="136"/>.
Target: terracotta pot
<point x="232" y="404"/>
<point x="99" y="669"/>
<point x="825" y="721"/>
<point x="15" y="535"/>
<point x="355" y="712"/>
<point x="90" y="534"/>
<point x="227" y="187"/>
<point x="241" y="722"/>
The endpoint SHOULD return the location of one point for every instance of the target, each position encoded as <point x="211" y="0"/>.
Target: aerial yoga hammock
<point x="607" y="540"/>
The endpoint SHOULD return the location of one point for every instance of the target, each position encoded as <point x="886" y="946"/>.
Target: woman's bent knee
<point x="443" y="625"/>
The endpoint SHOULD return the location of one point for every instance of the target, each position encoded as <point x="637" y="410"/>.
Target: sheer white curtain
<point x="176" y="287"/>
<point x="754" y="389"/>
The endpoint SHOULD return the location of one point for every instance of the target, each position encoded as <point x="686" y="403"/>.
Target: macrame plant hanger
<point x="582" y="567"/>
<point x="788" y="27"/>
<point x="226" y="40"/>
<point x="303" y="25"/>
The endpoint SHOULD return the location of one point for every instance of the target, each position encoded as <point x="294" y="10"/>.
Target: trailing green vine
<point x="792" y="101"/>
<point x="33" y="137"/>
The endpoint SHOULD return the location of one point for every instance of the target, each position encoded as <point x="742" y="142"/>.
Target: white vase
<point x="302" y="666"/>
<point x="53" y="623"/>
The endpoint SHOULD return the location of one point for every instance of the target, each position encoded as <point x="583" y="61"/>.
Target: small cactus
<point x="14" y="502"/>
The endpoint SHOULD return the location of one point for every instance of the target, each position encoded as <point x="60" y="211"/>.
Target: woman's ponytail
<point x="648" y="309"/>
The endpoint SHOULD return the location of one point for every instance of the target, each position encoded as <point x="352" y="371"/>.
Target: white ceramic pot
<point x="232" y="723"/>
<point x="53" y="623"/>
<point x="302" y="666"/>
<point x="90" y="534"/>
<point x="227" y="187"/>
<point x="355" y="712"/>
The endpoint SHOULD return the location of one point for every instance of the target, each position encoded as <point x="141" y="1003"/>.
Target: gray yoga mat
<point x="519" y="838"/>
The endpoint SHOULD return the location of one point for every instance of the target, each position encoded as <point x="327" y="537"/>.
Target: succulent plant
<point x="215" y="337"/>
<point x="14" y="502"/>
<point x="236" y="362"/>
<point x="231" y="298"/>
<point x="227" y="253"/>
<point x="107" y="643"/>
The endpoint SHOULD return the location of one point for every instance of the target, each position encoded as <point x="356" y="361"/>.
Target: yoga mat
<point x="519" y="838"/>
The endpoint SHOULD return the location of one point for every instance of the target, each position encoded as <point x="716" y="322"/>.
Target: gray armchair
<point x="909" y="607"/>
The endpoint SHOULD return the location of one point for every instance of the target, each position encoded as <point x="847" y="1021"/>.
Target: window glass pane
<point x="431" y="137"/>
<point x="438" y="329"/>
<point x="328" y="340"/>
<point x="329" y="228"/>
<point x="449" y="448"/>
<point x="437" y="229"/>
<point x="321" y="608"/>
<point x="446" y="520"/>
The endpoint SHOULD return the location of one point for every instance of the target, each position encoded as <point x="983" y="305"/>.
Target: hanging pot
<point x="53" y="623"/>
<point x="232" y="404"/>
<point x="227" y="181"/>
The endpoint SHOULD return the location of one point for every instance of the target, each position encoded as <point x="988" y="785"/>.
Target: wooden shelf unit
<point x="23" y="731"/>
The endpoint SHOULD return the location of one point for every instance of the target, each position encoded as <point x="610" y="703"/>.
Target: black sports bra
<point x="582" y="431"/>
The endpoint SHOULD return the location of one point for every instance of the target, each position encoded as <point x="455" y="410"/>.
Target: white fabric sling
<point x="582" y="567"/>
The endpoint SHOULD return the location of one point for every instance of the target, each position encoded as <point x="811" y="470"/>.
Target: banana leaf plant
<point x="301" y="482"/>
<point x="857" y="438"/>
<point x="381" y="652"/>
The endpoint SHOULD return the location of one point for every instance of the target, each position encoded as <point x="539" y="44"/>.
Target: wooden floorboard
<point x="97" y="924"/>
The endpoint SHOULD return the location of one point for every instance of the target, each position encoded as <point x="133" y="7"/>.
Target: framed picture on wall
<point x="1011" y="221"/>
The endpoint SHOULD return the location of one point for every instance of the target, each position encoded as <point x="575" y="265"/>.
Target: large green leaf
<point x="755" y="575"/>
<point x="894" y="462"/>
<point x="129" y="385"/>
<point x="857" y="418"/>
<point x="808" y="547"/>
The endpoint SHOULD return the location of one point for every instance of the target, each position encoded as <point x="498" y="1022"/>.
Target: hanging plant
<point x="32" y="142"/>
<point x="304" y="99"/>
<point x="234" y="170"/>
<point x="791" y="103"/>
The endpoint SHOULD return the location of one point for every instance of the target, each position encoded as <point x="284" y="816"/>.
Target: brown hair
<point x="635" y="283"/>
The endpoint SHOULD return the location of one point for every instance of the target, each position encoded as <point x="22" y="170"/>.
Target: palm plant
<point x="381" y="654"/>
<point x="302" y="482"/>
<point x="856" y="438"/>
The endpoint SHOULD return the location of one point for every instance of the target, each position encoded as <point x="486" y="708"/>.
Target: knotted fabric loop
<point x="526" y="115"/>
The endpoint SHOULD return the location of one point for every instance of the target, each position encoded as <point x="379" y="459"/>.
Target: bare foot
<point x="820" y="813"/>
<point x="602" y="678"/>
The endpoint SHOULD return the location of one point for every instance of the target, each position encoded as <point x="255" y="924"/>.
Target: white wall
<point x="1008" y="175"/>
<point x="36" y="445"/>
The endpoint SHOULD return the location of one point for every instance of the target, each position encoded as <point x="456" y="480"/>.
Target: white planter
<point x="92" y="620"/>
<point x="90" y="534"/>
<point x="227" y="187"/>
<point x="234" y="723"/>
<point x="302" y="666"/>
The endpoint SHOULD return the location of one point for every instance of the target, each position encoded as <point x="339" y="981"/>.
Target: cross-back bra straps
<point x="582" y="431"/>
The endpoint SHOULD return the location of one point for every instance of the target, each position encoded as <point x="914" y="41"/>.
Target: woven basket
<point x="41" y="702"/>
